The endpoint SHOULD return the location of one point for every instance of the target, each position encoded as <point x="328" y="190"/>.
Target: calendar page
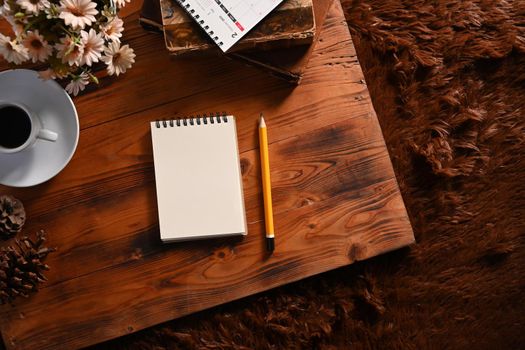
<point x="227" y="21"/>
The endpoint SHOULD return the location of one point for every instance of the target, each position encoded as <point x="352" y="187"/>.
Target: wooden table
<point x="336" y="199"/>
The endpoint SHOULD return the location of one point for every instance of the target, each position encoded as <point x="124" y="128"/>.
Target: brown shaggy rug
<point x="447" y="79"/>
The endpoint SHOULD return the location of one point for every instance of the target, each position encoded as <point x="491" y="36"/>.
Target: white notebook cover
<point x="198" y="179"/>
<point x="227" y="21"/>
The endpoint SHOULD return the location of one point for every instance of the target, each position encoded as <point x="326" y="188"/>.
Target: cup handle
<point x="48" y="135"/>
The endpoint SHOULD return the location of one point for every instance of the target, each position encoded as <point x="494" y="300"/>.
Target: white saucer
<point x="43" y="159"/>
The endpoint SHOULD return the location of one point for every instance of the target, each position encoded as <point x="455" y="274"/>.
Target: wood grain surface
<point x="336" y="199"/>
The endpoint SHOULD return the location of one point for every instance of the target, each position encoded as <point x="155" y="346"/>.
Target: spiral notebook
<point x="198" y="178"/>
<point x="227" y="21"/>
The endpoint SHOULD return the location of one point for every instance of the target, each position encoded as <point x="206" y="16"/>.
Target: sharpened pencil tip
<point x="262" y="123"/>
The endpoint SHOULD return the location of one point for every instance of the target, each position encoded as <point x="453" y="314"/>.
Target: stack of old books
<point x="280" y="44"/>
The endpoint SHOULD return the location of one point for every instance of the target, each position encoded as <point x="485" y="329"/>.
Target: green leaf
<point x="93" y="78"/>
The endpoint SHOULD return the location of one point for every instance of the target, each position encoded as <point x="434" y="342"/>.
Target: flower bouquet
<point x="68" y="37"/>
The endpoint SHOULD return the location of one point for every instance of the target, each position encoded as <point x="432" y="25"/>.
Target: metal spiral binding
<point x="205" y="119"/>
<point x="201" y="22"/>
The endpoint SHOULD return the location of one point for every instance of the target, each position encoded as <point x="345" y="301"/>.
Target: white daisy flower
<point x="39" y="49"/>
<point x="69" y="51"/>
<point x="4" y="8"/>
<point x="78" y="83"/>
<point x="33" y="6"/>
<point x="121" y="3"/>
<point x="78" y="13"/>
<point x="93" y="47"/>
<point x="117" y="58"/>
<point x="113" y="29"/>
<point x="12" y="51"/>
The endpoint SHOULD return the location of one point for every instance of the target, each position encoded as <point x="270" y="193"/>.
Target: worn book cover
<point x="288" y="64"/>
<point x="290" y="24"/>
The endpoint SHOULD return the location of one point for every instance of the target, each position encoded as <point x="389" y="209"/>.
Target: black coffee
<point x="15" y="127"/>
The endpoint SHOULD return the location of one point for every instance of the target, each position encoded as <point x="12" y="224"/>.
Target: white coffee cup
<point x="21" y="128"/>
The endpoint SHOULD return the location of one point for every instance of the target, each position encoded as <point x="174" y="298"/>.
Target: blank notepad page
<point x="198" y="178"/>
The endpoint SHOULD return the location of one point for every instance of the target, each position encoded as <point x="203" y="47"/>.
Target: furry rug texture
<point x="447" y="79"/>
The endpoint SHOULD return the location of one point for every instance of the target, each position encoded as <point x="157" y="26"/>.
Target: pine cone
<point x="22" y="267"/>
<point x="12" y="216"/>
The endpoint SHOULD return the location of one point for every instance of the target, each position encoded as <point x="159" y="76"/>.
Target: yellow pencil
<point x="267" y="185"/>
